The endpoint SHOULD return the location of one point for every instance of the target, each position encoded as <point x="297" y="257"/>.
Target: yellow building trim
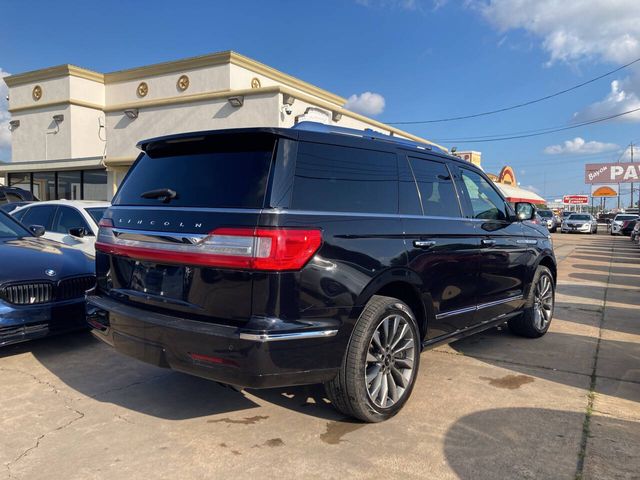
<point x="176" y="66"/>
<point x="196" y="97"/>
<point x="53" y="72"/>
<point x="60" y="103"/>
<point x="119" y="161"/>
<point x="288" y="80"/>
<point x="362" y="118"/>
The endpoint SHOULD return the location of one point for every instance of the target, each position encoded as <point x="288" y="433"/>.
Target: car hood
<point x="27" y="259"/>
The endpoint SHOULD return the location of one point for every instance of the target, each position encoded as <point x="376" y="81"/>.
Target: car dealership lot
<point x="491" y="406"/>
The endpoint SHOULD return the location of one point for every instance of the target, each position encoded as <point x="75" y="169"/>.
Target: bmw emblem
<point x="50" y="272"/>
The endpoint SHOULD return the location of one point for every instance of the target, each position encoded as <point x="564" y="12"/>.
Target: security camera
<point x="286" y="108"/>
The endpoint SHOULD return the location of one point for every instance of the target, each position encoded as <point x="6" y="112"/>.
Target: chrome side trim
<point x="478" y="307"/>
<point x="456" y="312"/>
<point x="276" y="337"/>
<point x="527" y="242"/>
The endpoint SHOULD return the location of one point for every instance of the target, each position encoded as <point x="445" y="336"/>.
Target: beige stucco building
<point x="74" y="130"/>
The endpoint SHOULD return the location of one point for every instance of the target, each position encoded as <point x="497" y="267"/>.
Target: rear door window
<point x="436" y="188"/>
<point x="41" y="215"/>
<point x="335" y="178"/>
<point x="68" y="218"/>
<point x="217" y="172"/>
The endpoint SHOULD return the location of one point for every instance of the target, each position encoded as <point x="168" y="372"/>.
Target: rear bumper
<point x="19" y="323"/>
<point x="278" y="354"/>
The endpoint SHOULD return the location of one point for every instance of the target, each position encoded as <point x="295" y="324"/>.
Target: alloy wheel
<point x="543" y="302"/>
<point x="390" y="361"/>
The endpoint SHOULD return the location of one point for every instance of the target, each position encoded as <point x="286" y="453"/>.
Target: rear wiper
<point x="164" y="194"/>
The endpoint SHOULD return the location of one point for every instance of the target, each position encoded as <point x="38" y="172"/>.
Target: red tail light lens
<point x="270" y="249"/>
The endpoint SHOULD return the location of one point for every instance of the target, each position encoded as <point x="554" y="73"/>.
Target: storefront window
<point x="20" y="180"/>
<point x="44" y="185"/>
<point x="95" y="185"/>
<point x="70" y="185"/>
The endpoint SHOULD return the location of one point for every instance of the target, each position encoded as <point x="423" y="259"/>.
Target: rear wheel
<point x="536" y="317"/>
<point x="381" y="363"/>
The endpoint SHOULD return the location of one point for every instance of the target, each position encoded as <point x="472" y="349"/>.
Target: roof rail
<point x="366" y="133"/>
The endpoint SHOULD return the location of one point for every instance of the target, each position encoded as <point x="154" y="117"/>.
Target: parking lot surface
<point x="492" y="406"/>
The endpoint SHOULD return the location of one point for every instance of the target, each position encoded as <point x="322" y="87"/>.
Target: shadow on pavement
<point x="501" y="443"/>
<point x="547" y="357"/>
<point x="599" y="277"/>
<point x="614" y="269"/>
<point x="97" y="371"/>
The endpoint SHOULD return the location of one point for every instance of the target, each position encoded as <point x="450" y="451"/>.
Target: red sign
<point x="575" y="199"/>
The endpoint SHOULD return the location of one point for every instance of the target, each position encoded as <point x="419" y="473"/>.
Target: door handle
<point x="423" y="244"/>
<point x="487" y="242"/>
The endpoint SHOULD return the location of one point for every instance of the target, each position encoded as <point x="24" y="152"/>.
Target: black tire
<point x="349" y="390"/>
<point x="527" y="324"/>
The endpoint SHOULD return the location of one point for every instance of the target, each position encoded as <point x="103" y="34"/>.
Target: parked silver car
<point x="580" y="223"/>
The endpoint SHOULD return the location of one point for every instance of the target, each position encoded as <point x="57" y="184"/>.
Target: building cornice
<point x="54" y="164"/>
<point x="60" y="103"/>
<point x="53" y="72"/>
<point x="177" y="66"/>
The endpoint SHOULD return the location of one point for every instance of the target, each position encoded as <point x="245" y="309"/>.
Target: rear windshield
<point x="223" y="172"/>
<point x="96" y="213"/>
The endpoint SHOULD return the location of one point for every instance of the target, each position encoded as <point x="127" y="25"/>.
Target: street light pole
<point x="631" y="145"/>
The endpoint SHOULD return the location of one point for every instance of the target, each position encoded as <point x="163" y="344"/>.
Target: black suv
<point x="268" y="257"/>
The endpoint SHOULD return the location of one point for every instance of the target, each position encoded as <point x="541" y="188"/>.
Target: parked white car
<point x="618" y="223"/>
<point x="72" y="222"/>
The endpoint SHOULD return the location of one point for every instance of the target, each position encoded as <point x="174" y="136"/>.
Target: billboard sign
<point x="606" y="191"/>
<point x="611" y="173"/>
<point x="575" y="199"/>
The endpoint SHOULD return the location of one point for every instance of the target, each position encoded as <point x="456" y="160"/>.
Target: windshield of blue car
<point x="96" y="213"/>
<point x="9" y="228"/>
<point x="580" y="217"/>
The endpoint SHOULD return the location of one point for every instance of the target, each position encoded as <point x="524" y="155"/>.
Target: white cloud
<point x="621" y="98"/>
<point x="580" y="145"/>
<point x="5" y="134"/>
<point x="366" y="103"/>
<point x="571" y="30"/>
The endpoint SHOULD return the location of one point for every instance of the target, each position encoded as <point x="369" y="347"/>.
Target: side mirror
<point x="525" y="211"/>
<point x="78" y="232"/>
<point x="37" y="230"/>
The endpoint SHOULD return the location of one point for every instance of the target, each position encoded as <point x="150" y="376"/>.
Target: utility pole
<point x="631" y="145"/>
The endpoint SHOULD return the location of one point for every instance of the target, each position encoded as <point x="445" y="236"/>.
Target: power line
<point x="518" y="105"/>
<point x="543" y="131"/>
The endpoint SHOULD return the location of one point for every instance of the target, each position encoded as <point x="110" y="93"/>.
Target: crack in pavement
<point x="66" y="400"/>
<point x="586" y="426"/>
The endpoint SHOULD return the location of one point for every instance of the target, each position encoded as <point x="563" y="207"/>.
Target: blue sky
<point x="425" y="58"/>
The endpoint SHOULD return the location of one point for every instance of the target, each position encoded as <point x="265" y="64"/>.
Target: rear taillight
<point x="271" y="249"/>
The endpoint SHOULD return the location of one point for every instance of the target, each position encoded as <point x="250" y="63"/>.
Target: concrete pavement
<point x="492" y="406"/>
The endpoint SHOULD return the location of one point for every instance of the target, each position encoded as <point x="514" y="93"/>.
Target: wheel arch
<point x="403" y="284"/>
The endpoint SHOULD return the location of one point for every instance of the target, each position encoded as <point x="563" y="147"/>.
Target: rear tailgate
<point x="156" y="249"/>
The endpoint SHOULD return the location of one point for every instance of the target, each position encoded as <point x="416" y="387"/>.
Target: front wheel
<point x="381" y="362"/>
<point x="534" y="321"/>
